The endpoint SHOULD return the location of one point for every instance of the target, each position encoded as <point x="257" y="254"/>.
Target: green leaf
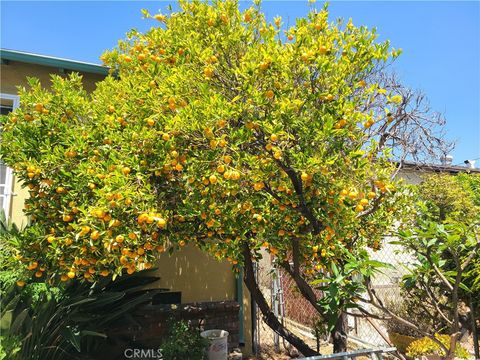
<point x="19" y="321"/>
<point x="73" y="336"/>
<point x="93" y="333"/>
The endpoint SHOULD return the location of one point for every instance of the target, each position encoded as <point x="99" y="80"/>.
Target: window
<point x="8" y="102"/>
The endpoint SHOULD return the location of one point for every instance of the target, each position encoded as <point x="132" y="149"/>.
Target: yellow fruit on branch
<point x="208" y="72"/>
<point x="161" y="223"/>
<point x="359" y="208"/>
<point x="39" y="107"/>
<point x="368" y="124"/>
<point x="160" y="17"/>
<point x="104" y="273"/>
<point x="95" y="235"/>
<point x="258" y="217"/>
<point x="235" y="175"/>
<point x="340" y="124"/>
<point x="264" y="65"/>
<point x="85" y="230"/>
<point x="258" y="186"/>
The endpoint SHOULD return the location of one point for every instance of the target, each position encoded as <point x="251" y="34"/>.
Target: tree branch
<point x="268" y="316"/>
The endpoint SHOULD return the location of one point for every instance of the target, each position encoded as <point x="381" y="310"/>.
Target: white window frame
<point x="8" y="186"/>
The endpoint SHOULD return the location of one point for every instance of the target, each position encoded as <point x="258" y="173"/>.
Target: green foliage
<point x="471" y="182"/>
<point x="433" y="244"/>
<point x="450" y="197"/>
<point x="10" y="346"/>
<point x="426" y="346"/>
<point x="10" y="269"/>
<point x="183" y="342"/>
<point x="217" y="131"/>
<point x="456" y="199"/>
<point x="443" y="242"/>
<point x="342" y="285"/>
<point x="430" y="289"/>
<point x="72" y="324"/>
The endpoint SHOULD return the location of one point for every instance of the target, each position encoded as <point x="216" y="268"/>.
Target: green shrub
<point x="426" y="346"/>
<point x="9" y="346"/>
<point x="183" y="343"/>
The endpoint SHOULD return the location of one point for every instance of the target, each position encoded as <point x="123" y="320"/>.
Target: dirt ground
<point x="267" y="349"/>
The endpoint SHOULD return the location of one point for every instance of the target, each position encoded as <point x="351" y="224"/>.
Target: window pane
<point x="5" y="109"/>
<point x="6" y="106"/>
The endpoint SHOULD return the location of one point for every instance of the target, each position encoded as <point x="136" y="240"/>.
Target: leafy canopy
<point x="215" y="128"/>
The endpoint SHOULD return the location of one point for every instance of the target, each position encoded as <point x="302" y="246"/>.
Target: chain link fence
<point x="371" y="332"/>
<point x="300" y="317"/>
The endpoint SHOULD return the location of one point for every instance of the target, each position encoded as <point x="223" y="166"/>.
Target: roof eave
<point x="12" y="55"/>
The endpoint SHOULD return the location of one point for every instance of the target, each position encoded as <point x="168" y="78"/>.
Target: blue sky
<point x="440" y="40"/>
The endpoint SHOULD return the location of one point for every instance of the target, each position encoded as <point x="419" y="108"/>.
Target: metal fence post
<point x="476" y="346"/>
<point x="276" y="338"/>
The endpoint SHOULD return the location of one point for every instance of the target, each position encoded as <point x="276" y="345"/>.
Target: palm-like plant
<point x="72" y="325"/>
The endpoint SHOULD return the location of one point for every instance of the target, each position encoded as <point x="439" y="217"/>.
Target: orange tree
<point x="219" y="129"/>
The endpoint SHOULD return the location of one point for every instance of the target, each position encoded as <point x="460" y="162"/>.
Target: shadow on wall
<point x="197" y="275"/>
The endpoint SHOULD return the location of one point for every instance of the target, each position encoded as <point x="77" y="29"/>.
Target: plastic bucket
<point x="218" y="348"/>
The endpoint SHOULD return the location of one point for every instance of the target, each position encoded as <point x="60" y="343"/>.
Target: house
<point x="191" y="274"/>
<point x="413" y="172"/>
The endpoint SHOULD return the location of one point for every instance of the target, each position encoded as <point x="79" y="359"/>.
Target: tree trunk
<point x="339" y="334"/>
<point x="268" y="316"/>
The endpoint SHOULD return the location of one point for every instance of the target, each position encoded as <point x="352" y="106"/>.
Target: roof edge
<point x="437" y="167"/>
<point x="13" y="55"/>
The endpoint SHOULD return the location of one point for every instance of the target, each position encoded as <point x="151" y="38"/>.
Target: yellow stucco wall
<point x="247" y="306"/>
<point x="16" y="204"/>
<point x="15" y="74"/>
<point x="200" y="277"/>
